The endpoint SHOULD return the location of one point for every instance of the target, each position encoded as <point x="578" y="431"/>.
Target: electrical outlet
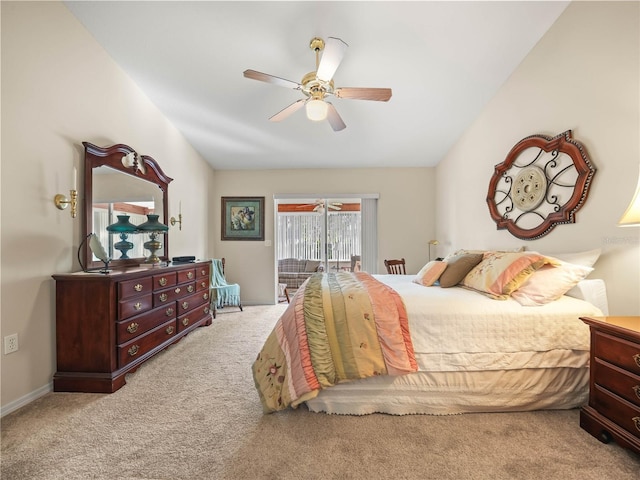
<point x="11" y="343"/>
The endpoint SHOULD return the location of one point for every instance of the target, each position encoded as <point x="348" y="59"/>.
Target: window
<point x="301" y="236"/>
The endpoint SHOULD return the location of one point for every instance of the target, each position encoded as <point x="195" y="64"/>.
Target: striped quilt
<point x="339" y="327"/>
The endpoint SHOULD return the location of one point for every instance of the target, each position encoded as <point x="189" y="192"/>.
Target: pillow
<point x="587" y="258"/>
<point x="458" y="267"/>
<point x="311" y="266"/>
<point x="429" y="274"/>
<point x="549" y="283"/>
<point x="501" y="273"/>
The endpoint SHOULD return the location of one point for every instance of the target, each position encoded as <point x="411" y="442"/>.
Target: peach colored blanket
<point x="339" y="327"/>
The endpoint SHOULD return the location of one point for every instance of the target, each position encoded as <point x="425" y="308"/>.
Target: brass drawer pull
<point x="138" y="287"/>
<point x="206" y="309"/>
<point x="169" y="330"/>
<point x="203" y="272"/>
<point x="185" y="305"/>
<point x="636" y="389"/>
<point x="190" y="288"/>
<point x="636" y="357"/>
<point x="190" y="275"/>
<point x="185" y="321"/>
<point x="205" y="296"/>
<point x="163" y="297"/>
<point x="636" y="420"/>
<point x="137" y="306"/>
<point x="133" y="350"/>
<point x="203" y="284"/>
<point x="169" y="312"/>
<point x="162" y="281"/>
<point x="133" y="328"/>
<point x="177" y="290"/>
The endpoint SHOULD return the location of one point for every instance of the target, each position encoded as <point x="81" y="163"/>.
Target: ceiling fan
<point x="319" y="84"/>
<point x="319" y="206"/>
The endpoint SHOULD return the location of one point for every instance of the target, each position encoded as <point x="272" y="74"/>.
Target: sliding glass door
<point x="326" y="230"/>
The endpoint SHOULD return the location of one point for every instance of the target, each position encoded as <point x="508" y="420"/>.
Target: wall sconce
<point x="63" y="202"/>
<point x="631" y="218"/>
<point x="173" y="220"/>
<point x="432" y="242"/>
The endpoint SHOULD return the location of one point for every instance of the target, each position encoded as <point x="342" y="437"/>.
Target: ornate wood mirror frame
<point x="129" y="172"/>
<point x="542" y="183"/>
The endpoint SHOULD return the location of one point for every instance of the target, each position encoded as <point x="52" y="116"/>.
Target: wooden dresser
<point x="613" y="412"/>
<point x="107" y="325"/>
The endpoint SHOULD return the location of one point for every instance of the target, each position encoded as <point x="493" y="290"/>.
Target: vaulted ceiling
<point x="443" y="60"/>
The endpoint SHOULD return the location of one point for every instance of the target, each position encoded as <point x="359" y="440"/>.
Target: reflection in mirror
<point x="116" y="193"/>
<point x="119" y="182"/>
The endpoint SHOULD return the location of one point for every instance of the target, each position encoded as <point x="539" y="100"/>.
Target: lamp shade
<point x="631" y="218"/>
<point x="123" y="225"/>
<point x="152" y="225"/>
<point x="317" y="110"/>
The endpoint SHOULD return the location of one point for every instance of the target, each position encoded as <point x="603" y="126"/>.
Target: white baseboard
<point x="22" y="401"/>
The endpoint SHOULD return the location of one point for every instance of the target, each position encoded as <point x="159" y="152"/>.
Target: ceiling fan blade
<point x="377" y="94"/>
<point x="332" y="55"/>
<point x="264" y="77"/>
<point x="334" y="119"/>
<point x="285" y="112"/>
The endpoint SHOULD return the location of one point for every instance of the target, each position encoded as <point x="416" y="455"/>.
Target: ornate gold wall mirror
<point x="542" y="183"/>
<point x="119" y="181"/>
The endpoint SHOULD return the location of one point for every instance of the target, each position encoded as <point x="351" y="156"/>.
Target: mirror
<point x="118" y="181"/>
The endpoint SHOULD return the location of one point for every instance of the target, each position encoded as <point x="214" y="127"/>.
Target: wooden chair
<point x="395" y="267"/>
<point x="355" y="263"/>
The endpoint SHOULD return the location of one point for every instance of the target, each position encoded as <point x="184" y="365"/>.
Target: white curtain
<point x="369" y="210"/>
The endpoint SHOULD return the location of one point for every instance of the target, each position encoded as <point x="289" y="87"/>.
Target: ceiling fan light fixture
<point x="317" y="110"/>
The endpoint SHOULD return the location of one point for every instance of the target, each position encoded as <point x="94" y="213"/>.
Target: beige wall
<point x="406" y="212"/>
<point x="584" y="75"/>
<point x="59" y="88"/>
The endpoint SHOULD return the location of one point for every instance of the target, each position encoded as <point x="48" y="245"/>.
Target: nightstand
<point x="613" y="412"/>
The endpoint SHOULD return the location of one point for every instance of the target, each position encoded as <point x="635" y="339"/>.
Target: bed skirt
<point x="449" y="393"/>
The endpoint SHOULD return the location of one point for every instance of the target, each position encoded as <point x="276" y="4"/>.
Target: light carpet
<point x="192" y="413"/>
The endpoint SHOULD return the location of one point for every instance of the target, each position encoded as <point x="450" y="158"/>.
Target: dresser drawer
<point x="186" y="275"/>
<point x="190" y="302"/>
<point x="134" y="306"/>
<point x="202" y="284"/>
<point x="616" y="409"/>
<point x="164" y="280"/>
<point x="195" y="315"/>
<point x="134" y="288"/>
<point x="203" y="271"/>
<point x="169" y="295"/>
<point x="618" y="351"/>
<point x="140" y="324"/>
<point x="136" y="348"/>
<point x="621" y="382"/>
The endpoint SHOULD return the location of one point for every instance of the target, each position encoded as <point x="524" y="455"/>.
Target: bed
<point x="473" y="352"/>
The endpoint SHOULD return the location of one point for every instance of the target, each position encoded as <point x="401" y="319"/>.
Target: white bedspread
<point x="454" y="329"/>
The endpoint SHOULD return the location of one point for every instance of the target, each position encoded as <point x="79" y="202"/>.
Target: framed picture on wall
<point x="242" y="218"/>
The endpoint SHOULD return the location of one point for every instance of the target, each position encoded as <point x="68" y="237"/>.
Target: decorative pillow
<point x="458" y="267"/>
<point x="499" y="274"/>
<point x="312" y="266"/>
<point x="429" y="274"/>
<point x="587" y="258"/>
<point x="549" y="283"/>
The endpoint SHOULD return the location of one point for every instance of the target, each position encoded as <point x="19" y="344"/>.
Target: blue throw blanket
<point x="223" y="293"/>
